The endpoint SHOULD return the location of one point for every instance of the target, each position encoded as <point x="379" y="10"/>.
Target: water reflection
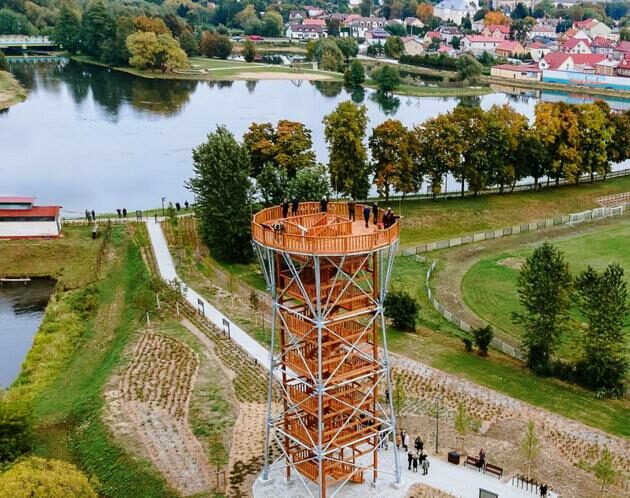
<point x="328" y="88"/>
<point x="387" y="102"/>
<point x="21" y="311"/>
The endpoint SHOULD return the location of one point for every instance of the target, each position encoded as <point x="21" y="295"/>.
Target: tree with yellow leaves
<point x="424" y="12"/>
<point x="40" y="478"/>
<point x="496" y="17"/>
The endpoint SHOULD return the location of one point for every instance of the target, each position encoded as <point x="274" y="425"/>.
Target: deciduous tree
<point x="311" y="183"/>
<point x="483" y="337"/>
<point x="544" y="286"/>
<point x="188" y="42"/>
<point x="149" y="51"/>
<point x="260" y="140"/>
<point x="496" y="17"/>
<point x="392" y="163"/>
<point x="394" y="47"/>
<point x="344" y="130"/>
<point x="38" y="477"/>
<point x="222" y="188"/>
<point x="97" y="26"/>
<point x="424" y="12"/>
<point x="387" y="77"/>
<point x="215" y="45"/>
<point x="595" y="134"/>
<point x="249" y="51"/>
<point x="605" y="471"/>
<point x="530" y="447"/>
<point x="273" y="25"/>
<point x="355" y="75"/>
<point x="151" y="24"/>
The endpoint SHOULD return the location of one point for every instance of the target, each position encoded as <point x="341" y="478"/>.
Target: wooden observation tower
<point x="328" y="278"/>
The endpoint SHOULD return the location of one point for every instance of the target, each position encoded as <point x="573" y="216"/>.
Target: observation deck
<point x="312" y="231"/>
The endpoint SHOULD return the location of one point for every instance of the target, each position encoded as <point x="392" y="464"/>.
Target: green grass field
<point x="426" y="221"/>
<point x="438" y="343"/>
<point x="489" y="286"/>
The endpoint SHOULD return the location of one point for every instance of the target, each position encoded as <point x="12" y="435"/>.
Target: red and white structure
<point x="20" y="218"/>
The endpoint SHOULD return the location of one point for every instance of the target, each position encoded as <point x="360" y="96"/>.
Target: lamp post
<point x="163" y="199"/>
<point x="437" y="422"/>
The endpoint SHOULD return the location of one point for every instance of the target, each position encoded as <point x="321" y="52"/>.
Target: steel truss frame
<point x="310" y="295"/>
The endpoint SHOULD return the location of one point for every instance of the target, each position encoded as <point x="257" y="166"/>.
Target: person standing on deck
<point x="323" y="205"/>
<point x="375" y="212"/>
<point x="285" y="207"/>
<point x="366" y="215"/>
<point x="351" y="208"/>
<point x="295" y="205"/>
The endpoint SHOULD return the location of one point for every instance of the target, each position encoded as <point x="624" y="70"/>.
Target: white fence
<point x="463" y="325"/>
<point x="594" y="214"/>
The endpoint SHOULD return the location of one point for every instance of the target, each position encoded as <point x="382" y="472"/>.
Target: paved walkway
<point x="459" y="481"/>
<point x="168" y="272"/>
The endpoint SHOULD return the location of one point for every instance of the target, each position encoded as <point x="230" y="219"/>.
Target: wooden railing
<point x="333" y="238"/>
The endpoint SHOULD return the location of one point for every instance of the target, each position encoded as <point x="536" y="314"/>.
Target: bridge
<point x="25" y="42"/>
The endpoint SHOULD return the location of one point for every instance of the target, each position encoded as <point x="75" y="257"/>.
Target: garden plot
<point x="568" y="448"/>
<point x="149" y="405"/>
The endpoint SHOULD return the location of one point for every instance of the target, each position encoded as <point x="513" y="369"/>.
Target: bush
<point x="483" y="337"/>
<point x="15" y="430"/>
<point x="387" y="78"/>
<point x="468" y="344"/>
<point x="4" y="65"/>
<point x="402" y="309"/>
<point x="441" y="61"/>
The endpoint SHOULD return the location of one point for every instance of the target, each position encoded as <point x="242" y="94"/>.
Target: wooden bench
<point x="471" y="460"/>
<point x="493" y="469"/>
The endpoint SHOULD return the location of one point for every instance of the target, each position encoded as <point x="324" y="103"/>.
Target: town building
<point x="606" y="67"/>
<point x="447" y="50"/>
<point x="359" y="26"/>
<point x="376" y="35"/>
<point x="412" y="24"/>
<point x="305" y="32"/>
<point x="543" y="31"/>
<point x="603" y="46"/>
<point x="413" y="46"/>
<point x="478" y="44"/>
<point x="522" y="72"/>
<point x="593" y="28"/>
<point x="623" y="69"/>
<point x="500" y="31"/>
<point x="296" y="16"/>
<point x="622" y="50"/>
<point x="447" y="33"/>
<point x="20" y="218"/>
<point x="455" y="10"/>
<point x="537" y="50"/>
<point x="508" y="6"/>
<point x="510" y="49"/>
<point x="314" y="22"/>
<point x="431" y="35"/>
<point x="577" y="46"/>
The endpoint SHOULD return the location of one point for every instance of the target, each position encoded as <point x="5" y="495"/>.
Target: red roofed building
<point x="527" y="72"/>
<point x="314" y="22"/>
<point x="603" y="46"/>
<point x="478" y="44"/>
<point x="623" y="69"/>
<point x="577" y="46"/>
<point x="556" y="61"/>
<point x="21" y="219"/>
<point x="510" y="49"/>
<point x="622" y="50"/>
<point x="499" y="31"/>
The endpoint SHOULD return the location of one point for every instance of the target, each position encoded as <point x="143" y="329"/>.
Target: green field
<point x="11" y="92"/>
<point x="489" y="286"/>
<point x="426" y="221"/>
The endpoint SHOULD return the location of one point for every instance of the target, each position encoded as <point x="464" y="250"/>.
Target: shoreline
<point x="308" y="75"/>
<point x="11" y="91"/>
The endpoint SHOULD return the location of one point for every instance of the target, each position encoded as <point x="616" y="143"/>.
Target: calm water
<point x="92" y="138"/>
<point x="21" y="311"/>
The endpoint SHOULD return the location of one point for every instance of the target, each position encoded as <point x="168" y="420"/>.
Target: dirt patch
<point x="149" y="406"/>
<point x="513" y="263"/>
<point x="269" y="75"/>
<point x="424" y="491"/>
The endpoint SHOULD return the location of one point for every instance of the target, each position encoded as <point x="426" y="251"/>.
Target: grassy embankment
<point x="489" y="286"/>
<point x="203" y="68"/>
<point x="11" y="92"/>
<point x="81" y="341"/>
<point x="437" y="342"/>
<point x="556" y="87"/>
<point x="428" y="221"/>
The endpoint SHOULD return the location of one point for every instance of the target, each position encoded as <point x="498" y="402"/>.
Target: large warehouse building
<point x="21" y="219"/>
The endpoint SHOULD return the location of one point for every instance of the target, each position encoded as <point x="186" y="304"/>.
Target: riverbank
<point x="540" y="85"/>
<point x="204" y="69"/>
<point x="11" y="92"/>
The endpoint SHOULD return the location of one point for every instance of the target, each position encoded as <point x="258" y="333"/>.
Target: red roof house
<point x="21" y="219"/>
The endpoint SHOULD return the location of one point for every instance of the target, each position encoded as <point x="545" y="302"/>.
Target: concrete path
<point x="458" y="481"/>
<point x="167" y="271"/>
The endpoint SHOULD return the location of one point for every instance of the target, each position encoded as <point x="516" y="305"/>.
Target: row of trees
<point x="548" y="293"/>
<point x="479" y="148"/>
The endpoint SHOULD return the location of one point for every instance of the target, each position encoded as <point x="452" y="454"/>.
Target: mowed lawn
<point x="489" y="287"/>
<point x="429" y="221"/>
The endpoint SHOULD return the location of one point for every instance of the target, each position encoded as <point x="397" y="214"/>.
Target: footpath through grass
<point x="438" y="343"/>
<point x="428" y="221"/>
<point x="68" y="406"/>
<point x="489" y="286"/>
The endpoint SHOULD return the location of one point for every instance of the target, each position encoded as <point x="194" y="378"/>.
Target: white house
<point x="305" y="32"/>
<point x="360" y="26"/>
<point x="478" y="44"/>
<point x="21" y="219"/>
<point x="455" y="10"/>
<point x="543" y="31"/>
<point x="577" y="46"/>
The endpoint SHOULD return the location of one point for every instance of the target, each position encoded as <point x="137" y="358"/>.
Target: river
<point x="21" y="311"/>
<point x="89" y="137"/>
